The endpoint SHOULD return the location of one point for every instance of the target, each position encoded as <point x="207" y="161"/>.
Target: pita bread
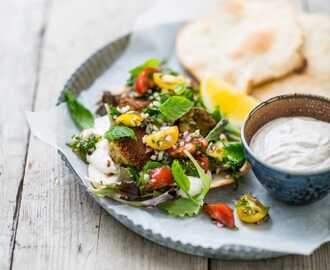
<point x="315" y="79"/>
<point x="244" y="43"/>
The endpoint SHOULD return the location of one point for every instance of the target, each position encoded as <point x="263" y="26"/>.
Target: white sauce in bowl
<point x="300" y="144"/>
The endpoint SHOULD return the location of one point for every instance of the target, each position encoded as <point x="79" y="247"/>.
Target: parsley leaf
<point x="80" y="115"/>
<point x="82" y="146"/>
<point x="175" y="107"/>
<point x="180" y="177"/>
<point x="234" y="154"/>
<point x="119" y="132"/>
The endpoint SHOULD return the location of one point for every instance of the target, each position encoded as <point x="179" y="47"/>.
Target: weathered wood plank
<point x="21" y="24"/>
<point x="59" y="225"/>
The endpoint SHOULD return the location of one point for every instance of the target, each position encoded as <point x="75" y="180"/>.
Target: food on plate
<point x="315" y="78"/>
<point x="250" y="210"/>
<point x="300" y="144"/>
<point x="221" y="214"/>
<point x="231" y="101"/>
<point x="157" y="145"/>
<point x="245" y="43"/>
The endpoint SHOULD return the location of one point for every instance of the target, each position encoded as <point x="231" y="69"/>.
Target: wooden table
<point x="47" y="221"/>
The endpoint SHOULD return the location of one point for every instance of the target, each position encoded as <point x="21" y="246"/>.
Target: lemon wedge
<point x="234" y="103"/>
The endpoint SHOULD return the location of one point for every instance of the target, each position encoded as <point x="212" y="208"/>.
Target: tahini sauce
<point x="299" y="144"/>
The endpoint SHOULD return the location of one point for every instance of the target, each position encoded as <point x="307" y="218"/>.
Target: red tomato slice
<point x="221" y="213"/>
<point x="144" y="80"/>
<point x="159" y="178"/>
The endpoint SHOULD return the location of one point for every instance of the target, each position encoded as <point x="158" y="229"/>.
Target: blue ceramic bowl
<point x="288" y="186"/>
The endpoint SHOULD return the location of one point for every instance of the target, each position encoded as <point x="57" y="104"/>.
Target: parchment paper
<point x="292" y="229"/>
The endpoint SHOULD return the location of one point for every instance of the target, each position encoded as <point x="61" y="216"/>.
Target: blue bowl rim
<point x="265" y="103"/>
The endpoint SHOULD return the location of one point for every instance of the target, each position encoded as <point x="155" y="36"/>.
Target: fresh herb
<point x="180" y="207"/>
<point x="189" y="207"/>
<point x="175" y="107"/>
<point x="84" y="145"/>
<point x="136" y="71"/>
<point x="151" y="165"/>
<point x="112" y="110"/>
<point x="80" y="115"/>
<point x="189" y="167"/>
<point x="133" y="173"/>
<point x="234" y="154"/>
<point x="232" y="129"/>
<point x="119" y="132"/>
<point x="214" y="134"/>
<point x="180" y="177"/>
<point x="216" y="114"/>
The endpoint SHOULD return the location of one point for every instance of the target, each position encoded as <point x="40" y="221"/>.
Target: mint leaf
<point x="80" y="115"/>
<point x="119" y="132"/>
<point x="175" y="107"/>
<point x="149" y="63"/>
<point x="180" y="177"/>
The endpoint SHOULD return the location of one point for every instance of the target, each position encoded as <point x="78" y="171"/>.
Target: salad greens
<point x="160" y="136"/>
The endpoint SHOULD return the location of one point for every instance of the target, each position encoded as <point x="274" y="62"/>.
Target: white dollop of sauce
<point x="299" y="144"/>
<point x="100" y="158"/>
<point x="194" y="189"/>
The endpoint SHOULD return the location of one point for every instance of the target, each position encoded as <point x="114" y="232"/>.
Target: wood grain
<point x="21" y="24"/>
<point x="59" y="225"/>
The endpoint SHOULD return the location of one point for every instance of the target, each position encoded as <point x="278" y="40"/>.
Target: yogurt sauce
<point x="300" y="144"/>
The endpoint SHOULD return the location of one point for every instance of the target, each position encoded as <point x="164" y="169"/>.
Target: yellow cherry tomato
<point x="251" y="210"/>
<point x="129" y="119"/>
<point x="167" y="81"/>
<point x="163" y="139"/>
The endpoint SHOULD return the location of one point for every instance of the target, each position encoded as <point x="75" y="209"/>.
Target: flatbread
<point x="315" y="79"/>
<point x="245" y="43"/>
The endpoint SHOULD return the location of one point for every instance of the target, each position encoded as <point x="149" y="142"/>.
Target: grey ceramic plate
<point x="81" y="79"/>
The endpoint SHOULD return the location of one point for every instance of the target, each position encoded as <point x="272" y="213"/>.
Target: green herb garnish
<point x="175" y="107"/>
<point x="119" y="132"/>
<point x="82" y="146"/>
<point x="180" y="177"/>
<point x="80" y="115"/>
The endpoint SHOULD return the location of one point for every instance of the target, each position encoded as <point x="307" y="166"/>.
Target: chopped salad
<point x="156" y="145"/>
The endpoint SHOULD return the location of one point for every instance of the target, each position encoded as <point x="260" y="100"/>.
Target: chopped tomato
<point x="159" y="178"/>
<point x="200" y="142"/>
<point x="203" y="160"/>
<point x="222" y="213"/>
<point x="144" y="80"/>
<point x="191" y="147"/>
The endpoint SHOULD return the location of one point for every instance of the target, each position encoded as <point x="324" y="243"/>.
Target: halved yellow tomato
<point x="251" y="210"/>
<point x="130" y="119"/>
<point x="163" y="139"/>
